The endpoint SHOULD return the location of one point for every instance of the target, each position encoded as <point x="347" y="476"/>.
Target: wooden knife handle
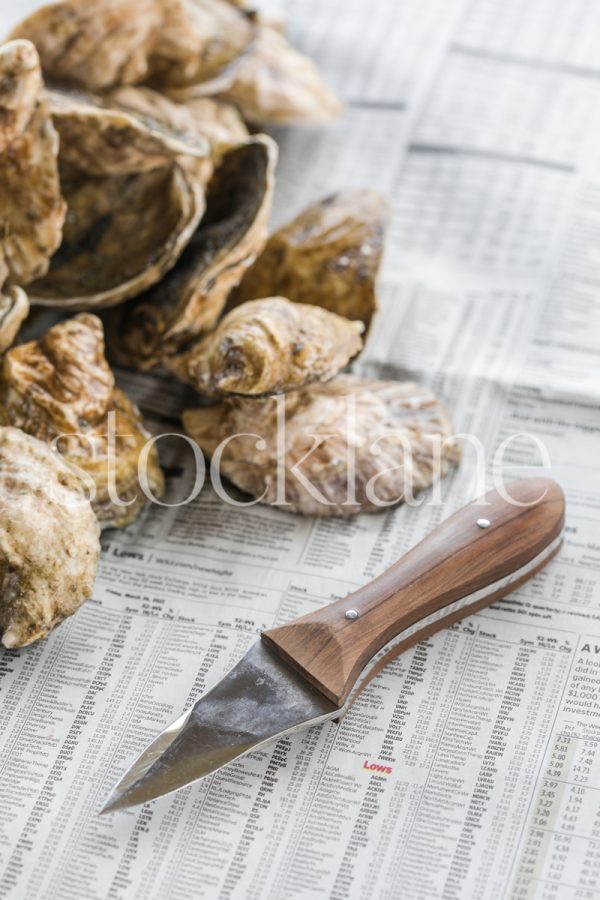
<point x="462" y="566"/>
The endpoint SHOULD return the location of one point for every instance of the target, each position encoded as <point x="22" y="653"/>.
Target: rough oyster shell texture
<point x="190" y="299"/>
<point x="276" y="83"/>
<point x="49" y="539"/>
<point x="327" y="256"/>
<point x="61" y="389"/>
<point x="200" y="118"/>
<point x="269" y="346"/>
<point x="200" y="41"/>
<point x="32" y="210"/>
<point x="186" y="47"/>
<point x="351" y="445"/>
<point x="95" y="45"/>
<point x="21" y="90"/>
<point x="104" y="140"/>
<point x="112" y="42"/>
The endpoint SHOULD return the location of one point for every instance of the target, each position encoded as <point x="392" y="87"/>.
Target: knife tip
<point x="114" y="803"/>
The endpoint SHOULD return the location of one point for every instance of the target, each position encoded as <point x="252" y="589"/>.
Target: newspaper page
<point x="470" y="767"/>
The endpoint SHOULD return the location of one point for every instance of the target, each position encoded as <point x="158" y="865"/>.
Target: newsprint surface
<point x="471" y="767"/>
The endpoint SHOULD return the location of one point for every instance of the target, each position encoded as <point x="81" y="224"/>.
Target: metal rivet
<point x="483" y="523"/>
<point x="352" y="614"/>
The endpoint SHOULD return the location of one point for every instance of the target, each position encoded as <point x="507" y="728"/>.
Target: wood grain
<point x="457" y="559"/>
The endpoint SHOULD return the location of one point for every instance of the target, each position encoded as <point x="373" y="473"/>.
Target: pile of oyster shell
<point x="134" y="180"/>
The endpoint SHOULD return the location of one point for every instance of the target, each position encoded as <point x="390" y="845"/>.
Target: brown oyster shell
<point x="61" y="389"/>
<point x="269" y="346"/>
<point x="21" y="90"/>
<point x="49" y="539"/>
<point x="189" y="301"/>
<point x="14" y="308"/>
<point x="329" y="430"/>
<point x="95" y="44"/>
<point x="272" y="83"/>
<point x="200" y="40"/>
<point x="101" y="140"/>
<point x="108" y="43"/>
<point x="32" y="210"/>
<point x="122" y="234"/>
<point x="199" y="118"/>
<point x="328" y="256"/>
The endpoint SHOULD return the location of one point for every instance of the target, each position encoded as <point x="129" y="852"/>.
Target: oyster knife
<point x="311" y="669"/>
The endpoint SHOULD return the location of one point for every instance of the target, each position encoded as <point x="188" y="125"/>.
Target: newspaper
<point x="470" y="768"/>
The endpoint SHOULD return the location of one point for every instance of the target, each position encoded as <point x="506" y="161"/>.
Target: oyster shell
<point x="101" y="140"/>
<point x="21" y="89"/>
<point x="349" y="446"/>
<point x="191" y="298"/>
<point x="272" y="82"/>
<point x="61" y="389"/>
<point x="49" y="539"/>
<point x="122" y="233"/>
<point x="269" y="346"/>
<point x="96" y="44"/>
<point x="14" y="308"/>
<point x="107" y="43"/>
<point x="328" y="256"/>
<point x="201" y="118"/>
<point x="200" y="40"/>
<point x="32" y="210"/>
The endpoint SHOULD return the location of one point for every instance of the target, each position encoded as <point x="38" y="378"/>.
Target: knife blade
<point x="310" y="670"/>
